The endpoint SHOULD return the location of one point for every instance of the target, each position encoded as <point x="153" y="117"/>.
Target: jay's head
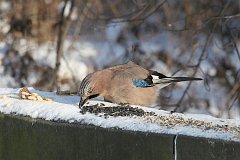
<point x="88" y="89"/>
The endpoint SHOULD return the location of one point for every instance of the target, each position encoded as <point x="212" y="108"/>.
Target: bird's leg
<point x="123" y="104"/>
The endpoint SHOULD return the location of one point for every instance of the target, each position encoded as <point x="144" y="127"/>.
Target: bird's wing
<point x="141" y="77"/>
<point x="131" y="72"/>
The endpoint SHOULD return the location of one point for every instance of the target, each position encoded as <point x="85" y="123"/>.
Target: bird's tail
<point x="163" y="82"/>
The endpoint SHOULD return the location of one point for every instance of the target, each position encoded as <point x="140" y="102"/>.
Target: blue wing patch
<point x="140" y="83"/>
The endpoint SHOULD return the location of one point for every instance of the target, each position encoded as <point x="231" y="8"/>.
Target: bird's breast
<point x="130" y="94"/>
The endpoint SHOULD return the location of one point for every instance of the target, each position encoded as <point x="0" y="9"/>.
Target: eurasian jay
<point x="126" y="84"/>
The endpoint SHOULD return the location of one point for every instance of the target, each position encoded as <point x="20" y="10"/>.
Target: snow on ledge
<point x="65" y="108"/>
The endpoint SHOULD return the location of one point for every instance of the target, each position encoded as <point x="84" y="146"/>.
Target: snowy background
<point x="180" y="38"/>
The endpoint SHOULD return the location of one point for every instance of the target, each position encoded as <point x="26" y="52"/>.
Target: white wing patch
<point x="161" y="82"/>
<point x="155" y="79"/>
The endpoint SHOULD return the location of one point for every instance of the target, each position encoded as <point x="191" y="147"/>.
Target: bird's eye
<point x="90" y="91"/>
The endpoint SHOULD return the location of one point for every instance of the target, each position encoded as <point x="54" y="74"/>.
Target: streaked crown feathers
<point x="85" y="88"/>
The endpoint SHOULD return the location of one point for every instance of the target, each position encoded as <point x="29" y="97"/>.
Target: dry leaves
<point x="24" y="93"/>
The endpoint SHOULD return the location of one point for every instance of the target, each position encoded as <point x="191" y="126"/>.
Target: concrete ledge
<point x="26" y="138"/>
<point x="197" y="148"/>
<point x="58" y="129"/>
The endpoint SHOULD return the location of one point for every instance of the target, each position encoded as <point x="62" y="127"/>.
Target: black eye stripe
<point x="93" y="96"/>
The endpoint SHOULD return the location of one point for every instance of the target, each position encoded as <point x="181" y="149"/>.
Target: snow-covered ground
<point x="65" y="108"/>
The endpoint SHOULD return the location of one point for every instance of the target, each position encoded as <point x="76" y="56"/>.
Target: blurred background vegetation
<point x="53" y="44"/>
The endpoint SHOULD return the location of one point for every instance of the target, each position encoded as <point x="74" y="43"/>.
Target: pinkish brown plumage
<point x="127" y="83"/>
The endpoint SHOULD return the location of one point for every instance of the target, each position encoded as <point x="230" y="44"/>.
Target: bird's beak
<point x="83" y="100"/>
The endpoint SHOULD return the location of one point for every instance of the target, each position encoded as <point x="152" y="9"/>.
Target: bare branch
<point x="235" y="45"/>
<point x="203" y="54"/>
<point x="64" y="25"/>
<point x="233" y="93"/>
<point x="136" y="16"/>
